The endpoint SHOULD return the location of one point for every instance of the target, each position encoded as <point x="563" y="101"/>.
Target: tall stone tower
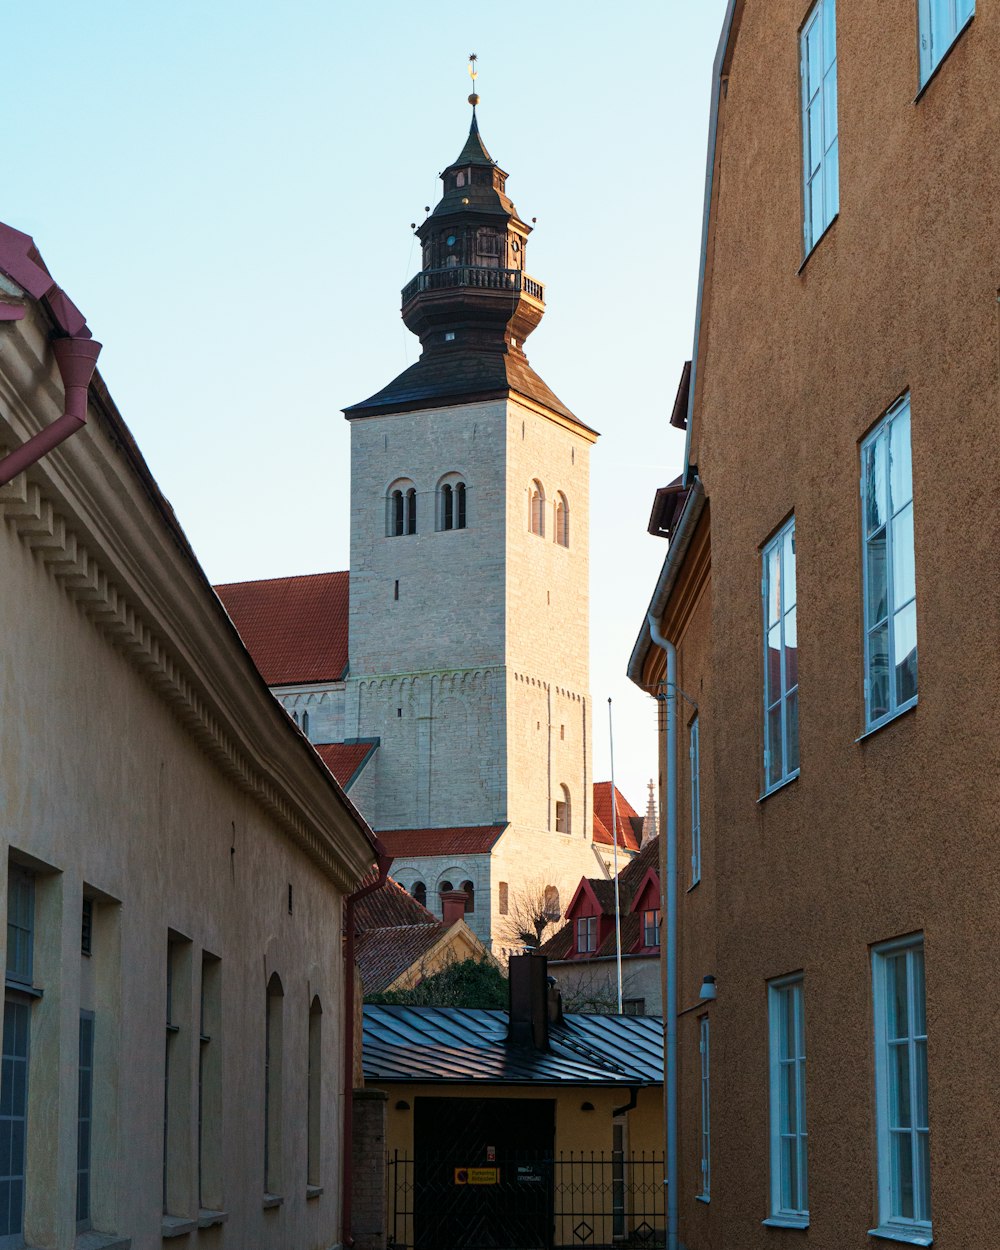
<point x="470" y="568"/>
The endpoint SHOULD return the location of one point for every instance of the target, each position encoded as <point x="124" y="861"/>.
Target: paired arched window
<point x="563" y="820"/>
<point x="401" y="510"/>
<point x="419" y="892"/>
<point x="470" y="896"/>
<point x="562" y="520"/>
<point x="452" y="511"/>
<point x="536" y="508"/>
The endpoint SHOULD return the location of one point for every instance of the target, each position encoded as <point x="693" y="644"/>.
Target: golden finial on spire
<point x="473" y="74"/>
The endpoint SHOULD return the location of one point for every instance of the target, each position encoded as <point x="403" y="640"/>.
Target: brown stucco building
<point x="836" y="508"/>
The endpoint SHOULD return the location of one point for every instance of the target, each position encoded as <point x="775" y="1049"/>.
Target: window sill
<point x="177" y="1226"/>
<point x="906" y="1236"/>
<point x="808" y="255"/>
<point x="779" y="785"/>
<point x="786" y="1221"/>
<point x="270" y="1201"/>
<point x="947" y="53"/>
<point x="887" y="720"/>
<point x="313" y="1192"/>
<point x="209" y="1219"/>
<point x="101" y="1241"/>
<point x="20" y="987"/>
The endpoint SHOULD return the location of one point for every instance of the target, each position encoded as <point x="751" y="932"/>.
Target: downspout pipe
<point x="383" y="863"/>
<point x="77" y="359"/>
<point x="670" y="1006"/>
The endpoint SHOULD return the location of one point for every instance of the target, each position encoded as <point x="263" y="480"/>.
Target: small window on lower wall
<point x="787" y="1064"/>
<point x="902" y="1131"/>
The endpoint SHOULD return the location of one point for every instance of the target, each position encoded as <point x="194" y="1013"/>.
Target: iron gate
<point x="534" y="1201"/>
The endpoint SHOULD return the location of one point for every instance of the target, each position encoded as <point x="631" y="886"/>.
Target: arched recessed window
<point x="419" y="892"/>
<point x="273" y="1031"/>
<point x="536" y="509"/>
<point x="551" y="906"/>
<point x="443" y="888"/>
<point x="563" y="822"/>
<point x="401" y="510"/>
<point x="562" y="520"/>
<point x="470" y="895"/>
<point x="314" y="1084"/>
<point x="451" y="503"/>
<point x="305" y="722"/>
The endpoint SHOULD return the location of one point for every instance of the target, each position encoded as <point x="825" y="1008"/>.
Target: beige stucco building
<point x="175" y="857"/>
<point x="841" y="469"/>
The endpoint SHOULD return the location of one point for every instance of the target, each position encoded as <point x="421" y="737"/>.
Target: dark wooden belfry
<point x="473" y="291"/>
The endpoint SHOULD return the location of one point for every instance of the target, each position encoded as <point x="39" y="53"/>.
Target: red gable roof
<point x="385" y="954"/>
<point x="346" y="759"/>
<point x="628" y="818"/>
<point x="461" y="840"/>
<point x="295" y="628"/>
<point x="391" y="907"/>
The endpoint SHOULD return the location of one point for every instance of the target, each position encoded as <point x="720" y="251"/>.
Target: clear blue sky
<point x="225" y="189"/>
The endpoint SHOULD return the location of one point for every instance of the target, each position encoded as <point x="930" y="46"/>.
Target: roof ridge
<point x="282" y="577"/>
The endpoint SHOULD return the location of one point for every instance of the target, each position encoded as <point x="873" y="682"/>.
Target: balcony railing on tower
<point x="480" y="277"/>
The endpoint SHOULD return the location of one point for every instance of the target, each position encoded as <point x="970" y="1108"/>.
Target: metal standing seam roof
<point x="454" y="1045"/>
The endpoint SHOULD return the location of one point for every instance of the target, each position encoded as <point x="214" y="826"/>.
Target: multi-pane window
<point x="13" y="1117"/>
<point x="20" y="925"/>
<point x="694" y="755"/>
<point x="890" y="607"/>
<point x="84" y="1119"/>
<point x="781" y="660"/>
<point x="818" y="70"/>
<point x="586" y="934"/>
<point x="651" y="927"/>
<point x="904" y="1169"/>
<point x="402" y="518"/>
<point x="452" y="505"/>
<point x="705" y="1168"/>
<point x="940" y="24"/>
<point x="787" y="1047"/>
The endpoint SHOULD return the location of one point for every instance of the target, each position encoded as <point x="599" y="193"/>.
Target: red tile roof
<point x="295" y="628"/>
<point x="628" y="818"/>
<point x="461" y="840"/>
<point x="346" y="759"/>
<point x="385" y="954"/>
<point x="391" y="907"/>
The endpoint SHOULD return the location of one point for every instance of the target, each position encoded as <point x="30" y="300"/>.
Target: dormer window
<point x="651" y="927"/>
<point x="586" y="935"/>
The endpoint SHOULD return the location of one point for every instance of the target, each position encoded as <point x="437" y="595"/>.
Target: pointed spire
<point x="474" y="152"/>
<point x="649" y="829"/>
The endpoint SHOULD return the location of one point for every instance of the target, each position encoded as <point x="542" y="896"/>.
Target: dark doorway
<point x="483" y="1173"/>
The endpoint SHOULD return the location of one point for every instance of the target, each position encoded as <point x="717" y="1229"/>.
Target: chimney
<point x="453" y="905"/>
<point x="649" y="820"/>
<point x="527" y="980"/>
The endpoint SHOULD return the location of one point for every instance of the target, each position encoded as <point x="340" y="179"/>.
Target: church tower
<point x="469" y="596"/>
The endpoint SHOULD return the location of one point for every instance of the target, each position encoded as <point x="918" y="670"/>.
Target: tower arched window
<point x="536" y="509"/>
<point x="562" y="520"/>
<point x="563" y="815"/>
<point x="401" y="510"/>
<point x="419" y="892"/>
<point x="470" y="896"/>
<point x="451" y="503"/>
<point x="550" y="905"/>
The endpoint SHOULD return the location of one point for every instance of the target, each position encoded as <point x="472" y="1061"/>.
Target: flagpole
<point x="614" y="844"/>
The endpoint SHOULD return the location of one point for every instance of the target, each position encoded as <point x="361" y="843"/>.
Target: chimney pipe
<point x="528" y="983"/>
<point x="453" y="905"/>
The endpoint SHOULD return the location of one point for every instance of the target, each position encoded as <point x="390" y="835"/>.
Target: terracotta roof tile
<point x="461" y="840"/>
<point x="385" y="954"/>
<point x="391" y="907"/>
<point x="295" y="628"/>
<point x="346" y="759"/>
<point x="603" y="817"/>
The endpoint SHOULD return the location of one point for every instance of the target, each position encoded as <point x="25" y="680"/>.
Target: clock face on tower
<point x="451" y="240"/>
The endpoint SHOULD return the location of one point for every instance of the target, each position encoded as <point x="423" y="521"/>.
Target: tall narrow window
<point x="460" y="505"/>
<point x="447" y="507"/>
<point x="20" y="925"/>
<point x="705" y="1177"/>
<point x="178" y="1075"/>
<point x="889" y="568"/>
<point x="503" y="898"/>
<point x="651" y="927"/>
<point x="16" y="1036"/>
<point x="315" y="1087"/>
<point x="420" y="893"/>
<point x="564" y="822"/>
<point x="904" y="1165"/>
<point x="210" y="1084"/>
<point x="470" y="896"/>
<point x="562" y="520"/>
<point x="586" y="934"/>
<point x="787" y="1052"/>
<point x="550" y="903"/>
<point x="273" y="1037"/>
<point x="396" y="513"/>
<point x="411" y="511"/>
<point x="818" y="70"/>
<point x="941" y="22"/>
<point x="401" y="510"/>
<point x="781" y="660"/>
<point x="694" y="754"/>
<point x="451" y="505"/>
<point x="84" y="1117"/>
<point x="536" y="509"/>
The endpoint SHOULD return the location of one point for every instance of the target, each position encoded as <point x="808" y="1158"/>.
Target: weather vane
<point x="473" y="74"/>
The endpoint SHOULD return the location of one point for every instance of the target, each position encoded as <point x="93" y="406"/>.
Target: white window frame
<point x="586" y="927"/>
<point x="776" y="589"/>
<point x="915" y="1230"/>
<point x="704" y="1050"/>
<point x="939" y="22"/>
<point x="787" y="1072"/>
<point x="902" y="599"/>
<point x="820" y="174"/>
<point x="694" y="755"/>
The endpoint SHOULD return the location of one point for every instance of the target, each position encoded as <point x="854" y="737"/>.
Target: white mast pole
<point x="614" y="844"/>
